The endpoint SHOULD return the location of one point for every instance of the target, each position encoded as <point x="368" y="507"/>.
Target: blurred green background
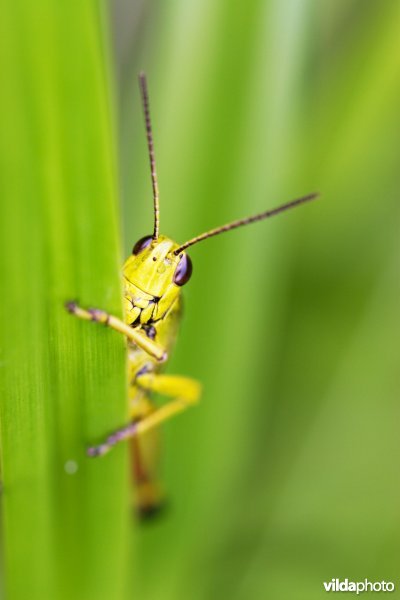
<point x="286" y="474"/>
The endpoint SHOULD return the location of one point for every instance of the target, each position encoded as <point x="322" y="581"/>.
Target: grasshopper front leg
<point x="185" y="393"/>
<point x="137" y="337"/>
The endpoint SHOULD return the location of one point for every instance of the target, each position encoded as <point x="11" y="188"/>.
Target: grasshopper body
<point x="153" y="277"/>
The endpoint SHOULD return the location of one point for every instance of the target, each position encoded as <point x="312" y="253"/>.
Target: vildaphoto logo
<point x="336" y="585"/>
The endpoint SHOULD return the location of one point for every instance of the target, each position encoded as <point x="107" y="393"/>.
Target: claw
<point x="118" y="436"/>
<point x="95" y="451"/>
<point x="71" y="306"/>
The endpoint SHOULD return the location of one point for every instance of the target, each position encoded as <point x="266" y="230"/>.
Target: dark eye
<point x="142" y="244"/>
<point x="183" y="270"/>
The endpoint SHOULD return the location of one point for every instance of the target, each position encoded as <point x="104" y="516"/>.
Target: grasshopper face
<point x="158" y="266"/>
<point x="157" y="271"/>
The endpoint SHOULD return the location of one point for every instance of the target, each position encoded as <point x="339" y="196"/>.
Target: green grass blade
<point x="62" y="381"/>
<point x="280" y="479"/>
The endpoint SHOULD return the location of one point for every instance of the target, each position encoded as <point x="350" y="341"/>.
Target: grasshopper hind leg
<point x="149" y="499"/>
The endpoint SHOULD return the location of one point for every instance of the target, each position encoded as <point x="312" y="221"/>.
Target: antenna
<point x="150" y="146"/>
<point x="247" y="221"/>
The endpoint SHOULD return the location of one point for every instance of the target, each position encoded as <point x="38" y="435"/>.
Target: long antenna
<point x="240" y="222"/>
<point x="150" y="146"/>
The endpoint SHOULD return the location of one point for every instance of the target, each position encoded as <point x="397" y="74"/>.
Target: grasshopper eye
<point x="183" y="270"/>
<point x="142" y="244"/>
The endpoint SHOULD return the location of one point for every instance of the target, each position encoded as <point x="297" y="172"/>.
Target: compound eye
<point x="183" y="270"/>
<point x="142" y="244"/>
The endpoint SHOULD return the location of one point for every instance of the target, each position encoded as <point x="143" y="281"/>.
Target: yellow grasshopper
<point x="153" y="277"/>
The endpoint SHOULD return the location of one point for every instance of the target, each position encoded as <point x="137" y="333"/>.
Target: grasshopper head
<point x="155" y="269"/>
<point x="158" y="266"/>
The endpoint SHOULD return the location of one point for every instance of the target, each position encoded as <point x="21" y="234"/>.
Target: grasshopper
<point x="153" y="277"/>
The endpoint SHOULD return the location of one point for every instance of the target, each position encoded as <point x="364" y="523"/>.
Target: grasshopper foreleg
<point x="137" y="337"/>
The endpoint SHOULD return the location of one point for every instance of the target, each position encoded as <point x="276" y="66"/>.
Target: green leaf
<point x="62" y="381"/>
